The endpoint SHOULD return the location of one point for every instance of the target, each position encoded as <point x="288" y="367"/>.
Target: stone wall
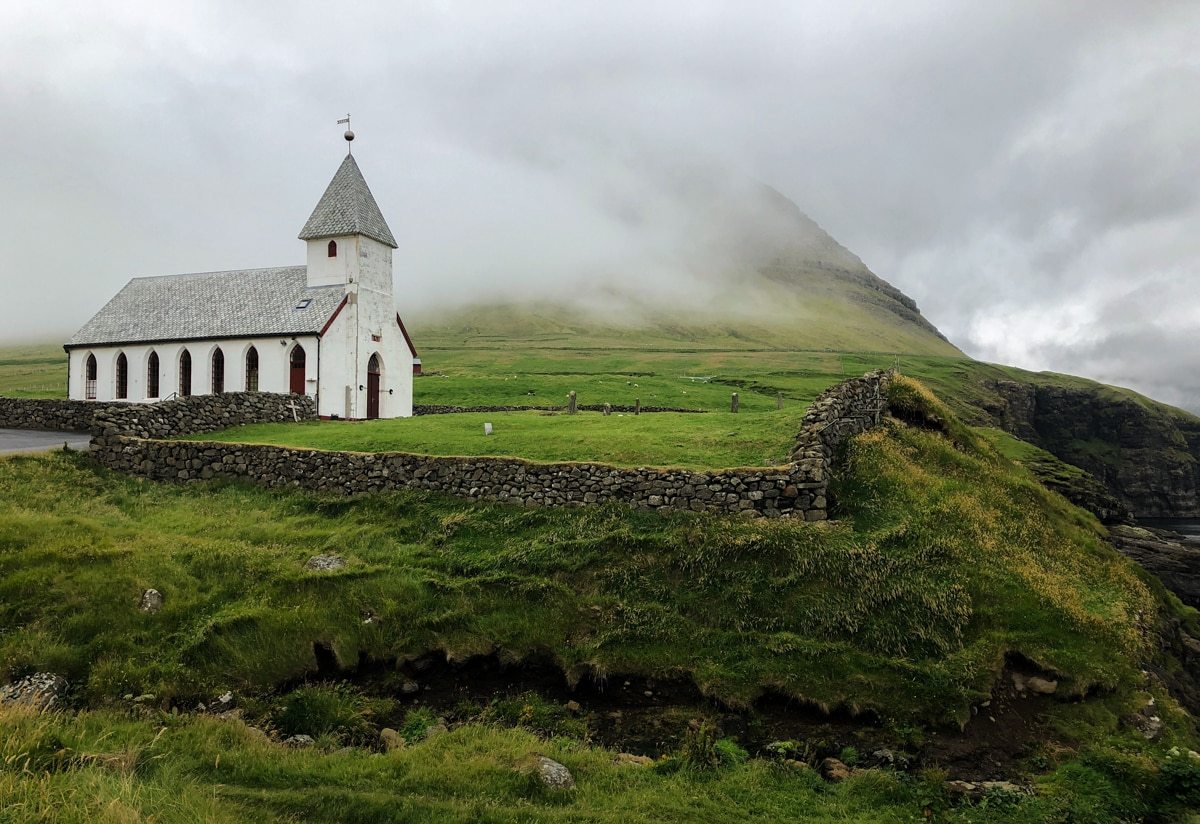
<point x="201" y="413"/>
<point x="49" y="414"/>
<point x="798" y="489"/>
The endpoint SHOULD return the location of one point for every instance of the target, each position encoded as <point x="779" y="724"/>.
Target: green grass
<point x="952" y="558"/>
<point x="695" y="441"/>
<point x="947" y="558"/>
<point x="33" y="371"/>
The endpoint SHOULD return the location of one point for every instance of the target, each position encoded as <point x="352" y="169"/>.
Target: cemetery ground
<point x="735" y="656"/>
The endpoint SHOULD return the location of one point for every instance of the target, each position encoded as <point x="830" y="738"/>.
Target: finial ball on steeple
<point x="349" y="135"/>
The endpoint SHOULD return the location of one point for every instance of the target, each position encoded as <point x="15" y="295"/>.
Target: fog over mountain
<point x="1028" y="172"/>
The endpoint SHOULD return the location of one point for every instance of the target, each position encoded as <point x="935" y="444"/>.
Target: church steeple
<point x="348" y="208"/>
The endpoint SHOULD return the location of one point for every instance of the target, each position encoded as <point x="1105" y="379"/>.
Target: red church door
<point x="296" y="384"/>
<point x="373" y="388"/>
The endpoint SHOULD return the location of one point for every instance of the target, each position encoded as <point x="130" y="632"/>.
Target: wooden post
<point x="637" y="406"/>
<point x="779" y="400"/>
<point x="572" y="405"/>
<point x="733" y="402"/>
<point x="607" y="409"/>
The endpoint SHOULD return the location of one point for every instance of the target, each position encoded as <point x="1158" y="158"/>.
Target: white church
<point x="329" y="329"/>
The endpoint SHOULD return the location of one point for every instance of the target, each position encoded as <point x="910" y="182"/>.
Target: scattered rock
<point x="439" y="728"/>
<point x="884" y="757"/>
<point x="554" y="775"/>
<point x="299" y="741"/>
<point x="630" y="760"/>
<point x="410" y="688"/>
<point x="222" y="703"/>
<point x="323" y="563"/>
<point x="1146" y="721"/>
<point x="152" y="601"/>
<point x="41" y="691"/>
<point x="834" y="770"/>
<point x="976" y="790"/>
<point x="390" y="740"/>
<point x="795" y="765"/>
<point x="1041" y="686"/>
<point x="574" y="707"/>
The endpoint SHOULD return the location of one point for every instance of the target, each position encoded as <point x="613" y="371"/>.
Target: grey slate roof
<point x="233" y="304"/>
<point x="348" y="208"/>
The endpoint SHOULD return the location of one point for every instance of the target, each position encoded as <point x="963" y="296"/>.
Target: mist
<point x="1028" y="172"/>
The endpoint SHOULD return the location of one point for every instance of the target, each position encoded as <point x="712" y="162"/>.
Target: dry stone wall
<point x="201" y="413"/>
<point x="132" y="444"/>
<point x="50" y="414"/>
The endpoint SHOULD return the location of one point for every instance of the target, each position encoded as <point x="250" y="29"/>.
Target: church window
<point x="89" y="378"/>
<point x="152" y="375"/>
<point x="122" y="377"/>
<point x="333" y="248"/>
<point x="252" y="370"/>
<point x="218" y="371"/>
<point x="185" y="373"/>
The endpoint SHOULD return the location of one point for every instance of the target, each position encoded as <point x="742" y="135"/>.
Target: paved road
<point x="13" y="441"/>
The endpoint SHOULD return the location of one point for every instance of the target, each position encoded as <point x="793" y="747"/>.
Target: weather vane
<point x="349" y="135"/>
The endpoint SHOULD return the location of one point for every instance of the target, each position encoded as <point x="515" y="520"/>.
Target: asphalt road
<point x="13" y="441"/>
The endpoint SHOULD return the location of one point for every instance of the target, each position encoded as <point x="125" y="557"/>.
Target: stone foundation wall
<point x="50" y="414"/>
<point x="129" y="443"/>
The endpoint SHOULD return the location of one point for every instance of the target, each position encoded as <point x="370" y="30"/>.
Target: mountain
<point x="757" y="273"/>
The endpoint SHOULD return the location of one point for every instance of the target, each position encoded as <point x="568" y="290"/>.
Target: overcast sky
<point x="1028" y="172"/>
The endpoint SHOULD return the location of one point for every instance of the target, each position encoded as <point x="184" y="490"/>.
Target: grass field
<point x="712" y="440"/>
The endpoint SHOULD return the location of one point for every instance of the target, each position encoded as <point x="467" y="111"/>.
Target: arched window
<point x="218" y="371"/>
<point x="252" y="370"/>
<point x="122" y="377"/>
<point x="152" y="375"/>
<point x="89" y="377"/>
<point x="333" y="248"/>
<point x="185" y="373"/>
<point x="296" y="364"/>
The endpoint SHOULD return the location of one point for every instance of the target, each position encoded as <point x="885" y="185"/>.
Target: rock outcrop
<point x="1146" y="455"/>
<point x="1168" y="555"/>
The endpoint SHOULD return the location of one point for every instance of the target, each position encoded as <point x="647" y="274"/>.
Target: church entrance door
<point x="296" y="383"/>
<point x="373" y="388"/>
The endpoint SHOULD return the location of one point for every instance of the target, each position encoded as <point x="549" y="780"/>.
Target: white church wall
<point x="346" y="351"/>
<point x="274" y="367"/>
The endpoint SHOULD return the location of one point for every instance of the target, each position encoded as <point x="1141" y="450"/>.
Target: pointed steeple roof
<point x="348" y="208"/>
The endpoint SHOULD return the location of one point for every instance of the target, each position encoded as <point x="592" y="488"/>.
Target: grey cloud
<point x="1019" y="168"/>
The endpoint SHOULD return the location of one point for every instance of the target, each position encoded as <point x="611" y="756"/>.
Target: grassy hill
<point x="949" y="567"/>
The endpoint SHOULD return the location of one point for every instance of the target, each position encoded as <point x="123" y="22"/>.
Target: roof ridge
<point x="221" y="272"/>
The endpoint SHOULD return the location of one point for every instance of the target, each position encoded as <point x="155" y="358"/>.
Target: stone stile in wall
<point x="129" y="442"/>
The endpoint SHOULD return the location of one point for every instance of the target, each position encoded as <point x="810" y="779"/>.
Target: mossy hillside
<point x="950" y="558"/>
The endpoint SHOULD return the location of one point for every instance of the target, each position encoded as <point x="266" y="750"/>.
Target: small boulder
<point x="299" y="741"/>
<point x="834" y="771"/>
<point x="222" y="703"/>
<point x="574" y="707"/>
<point x="410" y="688"/>
<point x="437" y="729"/>
<point x="554" y="775"/>
<point x="152" y="601"/>
<point x="390" y="740"/>
<point x="1041" y="686"/>
<point x="627" y="759"/>
<point x="41" y="691"/>
<point x="324" y="563"/>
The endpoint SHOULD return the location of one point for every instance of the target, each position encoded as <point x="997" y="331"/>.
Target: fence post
<point x="779" y="400"/>
<point x="733" y="403"/>
<point x="637" y="406"/>
<point x="572" y="405"/>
